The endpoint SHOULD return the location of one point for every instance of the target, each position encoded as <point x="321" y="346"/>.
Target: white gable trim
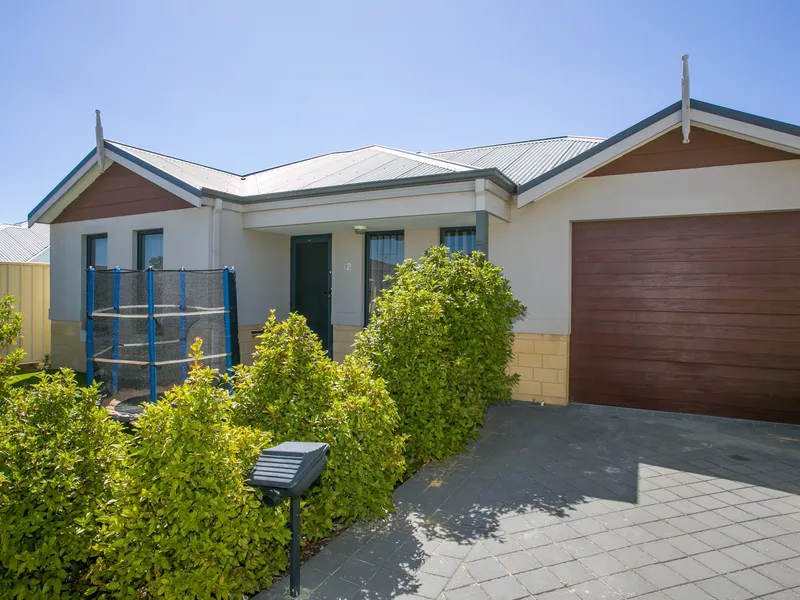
<point x="599" y="159"/>
<point x="746" y="131"/>
<point x="62" y="189"/>
<point x="181" y="193"/>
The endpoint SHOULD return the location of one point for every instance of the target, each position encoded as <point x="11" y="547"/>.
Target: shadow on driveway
<point x="582" y="500"/>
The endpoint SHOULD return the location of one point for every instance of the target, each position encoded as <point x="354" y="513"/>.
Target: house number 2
<point x="348" y="266"/>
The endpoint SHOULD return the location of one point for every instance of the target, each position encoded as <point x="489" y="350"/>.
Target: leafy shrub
<point x="57" y="451"/>
<point x="441" y="337"/>
<point x="296" y="392"/>
<point x="184" y="523"/>
<point x="10" y="329"/>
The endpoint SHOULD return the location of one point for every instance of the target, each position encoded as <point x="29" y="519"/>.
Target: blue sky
<point x="247" y="85"/>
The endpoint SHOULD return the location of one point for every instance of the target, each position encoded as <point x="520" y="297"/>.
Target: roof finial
<point x="685" y="118"/>
<point x="98" y="134"/>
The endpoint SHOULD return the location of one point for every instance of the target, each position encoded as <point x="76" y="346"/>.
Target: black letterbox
<point x="286" y="471"/>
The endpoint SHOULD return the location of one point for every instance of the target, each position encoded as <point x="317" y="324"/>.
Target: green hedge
<point x="294" y="391"/>
<point x="183" y="523"/>
<point x="57" y="451"/>
<point x="441" y="337"/>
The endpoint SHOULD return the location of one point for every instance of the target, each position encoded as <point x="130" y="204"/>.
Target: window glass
<point x="459" y="239"/>
<point x="151" y="250"/>
<point x="97" y="252"/>
<point x="384" y="252"/>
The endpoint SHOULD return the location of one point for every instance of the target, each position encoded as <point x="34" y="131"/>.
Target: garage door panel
<point x="591" y="255"/>
<point x="691" y="305"/>
<point x="691" y="242"/>
<point x="761" y="267"/>
<point x="698" y="314"/>
<point x="722" y="400"/>
<point x="741" y="224"/>
<point x="691" y="280"/>
<point x="690" y="343"/>
<point x="634" y="368"/>
<point x="590" y="316"/>
<point x="596" y="352"/>
<point x="791" y="294"/>
<point x="718" y="332"/>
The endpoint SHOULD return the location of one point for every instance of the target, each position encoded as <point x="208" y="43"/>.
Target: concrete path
<point x="585" y="503"/>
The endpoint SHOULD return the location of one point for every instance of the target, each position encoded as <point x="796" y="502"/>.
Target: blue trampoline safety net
<point x="140" y="325"/>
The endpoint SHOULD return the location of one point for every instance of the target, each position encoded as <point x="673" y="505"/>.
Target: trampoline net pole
<point x="90" y="325"/>
<point x="183" y="321"/>
<point x="226" y="295"/>
<point x="115" y="336"/>
<point x="151" y="331"/>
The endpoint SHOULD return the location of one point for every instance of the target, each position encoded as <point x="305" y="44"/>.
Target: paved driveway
<point x="585" y="503"/>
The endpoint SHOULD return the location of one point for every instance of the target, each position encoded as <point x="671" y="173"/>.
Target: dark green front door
<point x="311" y="283"/>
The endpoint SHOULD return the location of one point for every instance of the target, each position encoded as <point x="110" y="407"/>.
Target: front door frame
<point x="313" y="239"/>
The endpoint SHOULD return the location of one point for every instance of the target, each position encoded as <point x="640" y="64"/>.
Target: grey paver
<point x="723" y="588"/>
<point x="595" y="589"/>
<point x="486" y="569"/>
<point x="746" y="555"/>
<point x="661" y="576"/>
<point x="572" y="573"/>
<point x="539" y="581"/>
<point x="691" y="569"/>
<point x="781" y="573"/>
<point x="519" y="562"/>
<point x="473" y="592"/>
<point x="505" y="588"/>
<point x="629" y="584"/>
<point x="688" y="591"/>
<point x="719" y="562"/>
<point x="550" y="555"/>
<point x="754" y="582"/>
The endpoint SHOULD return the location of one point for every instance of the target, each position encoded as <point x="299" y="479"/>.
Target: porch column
<point x="482" y="232"/>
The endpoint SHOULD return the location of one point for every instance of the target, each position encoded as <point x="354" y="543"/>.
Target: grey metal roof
<point x="522" y="161"/>
<point x="374" y="163"/>
<point x="19" y="243"/>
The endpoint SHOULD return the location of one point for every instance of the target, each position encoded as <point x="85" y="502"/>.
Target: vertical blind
<point x="459" y="239"/>
<point x="384" y="252"/>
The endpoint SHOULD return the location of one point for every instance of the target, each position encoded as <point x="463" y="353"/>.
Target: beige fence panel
<point x="30" y="284"/>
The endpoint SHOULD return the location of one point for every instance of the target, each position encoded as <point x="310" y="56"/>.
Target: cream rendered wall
<point x="534" y="249"/>
<point x="186" y="236"/>
<point x="417" y="241"/>
<point x="347" y="278"/>
<point x="262" y="264"/>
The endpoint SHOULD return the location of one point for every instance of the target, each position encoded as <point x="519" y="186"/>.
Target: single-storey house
<point x="657" y="273"/>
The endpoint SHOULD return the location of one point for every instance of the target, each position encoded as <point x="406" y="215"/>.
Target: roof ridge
<point x="183" y="160"/>
<point x="295" y="162"/>
<point x="423" y="158"/>
<point x="547" y="139"/>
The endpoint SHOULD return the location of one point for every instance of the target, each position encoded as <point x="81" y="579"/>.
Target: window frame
<point x="90" y="250"/>
<point x="140" y="245"/>
<point x="444" y="231"/>
<point x="367" y="237"/>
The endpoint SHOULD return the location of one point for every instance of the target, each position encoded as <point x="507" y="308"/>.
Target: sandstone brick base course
<point x="542" y="362"/>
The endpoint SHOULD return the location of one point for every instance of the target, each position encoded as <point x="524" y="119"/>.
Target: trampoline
<point x="140" y="324"/>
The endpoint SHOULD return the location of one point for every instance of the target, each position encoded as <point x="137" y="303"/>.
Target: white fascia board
<point x="600" y="159"/>
<point x="212" y="201"/>
<point x="747" y="131"/>
<point x="400" y="192"/>
<point x="341" y="212"/>
<point x="153" y="178"/>
<point x="63" y="189"/>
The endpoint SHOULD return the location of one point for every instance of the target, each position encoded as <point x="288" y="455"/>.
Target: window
<point x="150" y="249"/>
<point x="384" y="252"/>
<point x="97" y="251"/>
<point x="459" y="239"/>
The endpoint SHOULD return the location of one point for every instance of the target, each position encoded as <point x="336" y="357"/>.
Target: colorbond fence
<point x="30" y="284"/>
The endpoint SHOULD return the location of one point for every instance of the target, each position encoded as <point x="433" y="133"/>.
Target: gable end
<point x="119" y="192"/>
<point x="706" y="149"/>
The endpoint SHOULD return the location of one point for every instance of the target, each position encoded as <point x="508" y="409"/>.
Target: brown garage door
<point x="690" y="314"/>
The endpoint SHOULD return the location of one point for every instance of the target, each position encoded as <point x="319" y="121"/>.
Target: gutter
<point x="494" y="175"/>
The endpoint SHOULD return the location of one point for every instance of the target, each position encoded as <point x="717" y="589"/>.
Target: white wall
<point x="262" y="266"/>
<point x="535" y="251"/>
<point x="186" y="244"/>
<point x="417" y="241"/>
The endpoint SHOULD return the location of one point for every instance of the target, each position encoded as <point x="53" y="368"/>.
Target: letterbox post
<point x="294" y="557"/>
<point x="289" y="469"/>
